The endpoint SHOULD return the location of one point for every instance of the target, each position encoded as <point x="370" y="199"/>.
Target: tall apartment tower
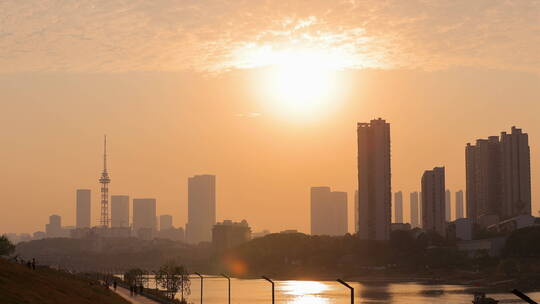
<point x="144" y="217"/>
<point x="328" y="212"/>
<point x="434" y="201"/>
<point x="459" y="204"/>
<point x="374" y="180"/>
<point x="498" y="178"/>
<point x="398" y="207"/>
<point x="516" y="173"/>
<point x="414" y="210"/>
<point x="448" y="204"/>
<point x="83" y="208"/>
<point x="120" y="211"/>
<point x="165" y="222"/>
<point x="201" y="208"/>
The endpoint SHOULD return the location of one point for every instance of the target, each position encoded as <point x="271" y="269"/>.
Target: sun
<point x="300" y="86"/>
<point x="299" y="83"/>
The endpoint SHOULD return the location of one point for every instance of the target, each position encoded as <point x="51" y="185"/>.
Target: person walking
<point x="33" y="264"/>
<point x="114" y="285"/>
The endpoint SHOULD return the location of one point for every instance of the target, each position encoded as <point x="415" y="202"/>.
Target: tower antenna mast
<point x="104" y="181"/>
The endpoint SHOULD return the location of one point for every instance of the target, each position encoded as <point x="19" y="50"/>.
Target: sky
<point x="263" y="94"/>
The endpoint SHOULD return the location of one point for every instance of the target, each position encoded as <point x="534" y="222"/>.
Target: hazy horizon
<point x="191" y="88"/>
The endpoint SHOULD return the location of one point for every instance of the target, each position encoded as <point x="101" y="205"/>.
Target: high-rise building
<point x="165" y="222"/>
<point x="414" y="209"/>
<point x="398" y="207"/>
<point x="374" y="180"/>
<point x="319" y="207"/>
<point x="120" y="211"/>
<point x="448" y="203"/>
<point x="459" y="204"/>
<point x="201" y="208"/>
<point x="516" y="174"/>
<point x="498" y="178"/>
<point x="340" y="214"/>
<point x="144" y="217"/>
<point x="328" y="212"/>
<point x="433" y="201"/>
<point x="83" y="208"/>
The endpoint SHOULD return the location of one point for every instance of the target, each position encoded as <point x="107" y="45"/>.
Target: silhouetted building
<point x="420" y="208"/>
<point x="516" y="172"/>
<point x="165" y="222"/>
<point x="498" y="178"/>
<point x="328" y="212"/>
<point x="400" y="226"/>
<point x="83" y="208"/>
<point x="260" y="234"/>
<point x="356" y="218"/>
<point x="341" y="214"/>
<point x="433" y="201"/>
<point x="38" y="235"/>
<point x="447" y="205"/>
<point x="512" y="224"/>
<point x="374" y="180"/>
<point x="53" y="228"/>
<point x="319" y="207"/>
<point x="459" y="204"/>
<point x="144" y="217"/>
<point x="414" y="210"/>
<point x="120" y="211"/>
<point x="201" y="208"/>
<point x="398" y="207"/>
<point x="460" y="229"/>
<point x="229" y="234"/>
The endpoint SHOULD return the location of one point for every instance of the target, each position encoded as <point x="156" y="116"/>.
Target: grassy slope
<point x="20" y="285"/>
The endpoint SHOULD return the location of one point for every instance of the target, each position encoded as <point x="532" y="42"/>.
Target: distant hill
<point x="20" y="285"/>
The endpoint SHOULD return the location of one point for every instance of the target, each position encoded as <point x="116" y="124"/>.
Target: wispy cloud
<point x="249" y="115"/>
<point x="217" y="35"/>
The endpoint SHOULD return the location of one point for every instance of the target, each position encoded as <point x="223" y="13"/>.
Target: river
<point x="327" y="292"/>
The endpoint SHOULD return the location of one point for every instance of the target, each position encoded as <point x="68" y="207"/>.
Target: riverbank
<point x="22" y="284"/>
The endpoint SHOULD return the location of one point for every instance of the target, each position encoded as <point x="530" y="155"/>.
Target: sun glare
<point x="301" y="83"/>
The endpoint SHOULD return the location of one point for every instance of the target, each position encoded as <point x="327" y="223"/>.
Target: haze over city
<point x="304" y="151"/>
<point x="204" y="93"/>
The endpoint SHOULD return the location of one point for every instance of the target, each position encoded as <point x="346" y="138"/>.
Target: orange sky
<point x="176" y="96"/>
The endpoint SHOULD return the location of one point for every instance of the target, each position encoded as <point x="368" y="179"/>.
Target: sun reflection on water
<point x="304" y="292"/>
<point x="309" y="299"/>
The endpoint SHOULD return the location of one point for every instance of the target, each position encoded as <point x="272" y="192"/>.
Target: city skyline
<point x="350" y="217"/>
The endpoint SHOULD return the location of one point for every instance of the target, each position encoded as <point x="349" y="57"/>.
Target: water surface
<point x="329" y="292"/>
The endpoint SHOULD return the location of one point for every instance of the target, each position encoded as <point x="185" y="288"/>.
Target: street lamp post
<point x="229" y="281"/>
<point x="200" y="275"/>
<point x="271" y="282"/>
<point x="348" y="286"/>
